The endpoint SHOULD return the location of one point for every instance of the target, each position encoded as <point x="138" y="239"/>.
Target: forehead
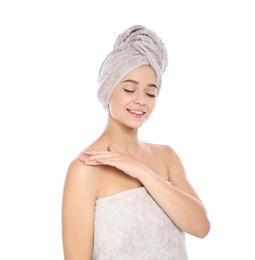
<point x="143" y="73"/>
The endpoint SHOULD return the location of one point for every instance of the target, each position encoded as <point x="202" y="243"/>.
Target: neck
<point x="123" y="138"/>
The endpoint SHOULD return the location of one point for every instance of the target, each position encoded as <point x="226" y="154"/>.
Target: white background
<point x="50" y="54"/>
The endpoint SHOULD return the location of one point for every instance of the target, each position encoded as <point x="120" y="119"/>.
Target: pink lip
<point x="137" y="115"/>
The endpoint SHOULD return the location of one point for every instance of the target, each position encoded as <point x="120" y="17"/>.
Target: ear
<point x="111" y="148"/>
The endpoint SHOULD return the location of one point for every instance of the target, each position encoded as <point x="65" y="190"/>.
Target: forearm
<point x="187" y="212"/>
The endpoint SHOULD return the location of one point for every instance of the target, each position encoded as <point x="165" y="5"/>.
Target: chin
<point x="135" y="125"/>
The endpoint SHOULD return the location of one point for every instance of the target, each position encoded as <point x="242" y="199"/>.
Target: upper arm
<point x="78" y="207"/>
<point x="177" y="174"/>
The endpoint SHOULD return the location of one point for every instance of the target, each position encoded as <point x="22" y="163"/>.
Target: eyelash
<point x="131" y="91"/>
<point x="151" y="95"/>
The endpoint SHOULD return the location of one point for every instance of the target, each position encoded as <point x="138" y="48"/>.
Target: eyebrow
<point x="136" y="82"/>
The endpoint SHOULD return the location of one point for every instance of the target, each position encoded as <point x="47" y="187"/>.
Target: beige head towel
<point x="133" y="48"/>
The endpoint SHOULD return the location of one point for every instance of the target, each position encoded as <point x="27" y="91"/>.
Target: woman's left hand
<point x="115" y="159"/>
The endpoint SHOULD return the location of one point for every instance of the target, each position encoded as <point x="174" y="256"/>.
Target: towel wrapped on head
<point x="135" y="47"/>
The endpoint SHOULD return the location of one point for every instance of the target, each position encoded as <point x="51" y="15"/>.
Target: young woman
<point x="125" y="198"/>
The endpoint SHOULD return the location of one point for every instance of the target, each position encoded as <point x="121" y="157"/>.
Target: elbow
<point x="203" y="233"/>
<point x="202" y="229"/>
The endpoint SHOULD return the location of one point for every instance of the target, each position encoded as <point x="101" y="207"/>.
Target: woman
<point x="125" y="198"/>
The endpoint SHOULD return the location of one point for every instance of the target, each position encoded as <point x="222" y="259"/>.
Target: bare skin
<point x="119" y="161"/>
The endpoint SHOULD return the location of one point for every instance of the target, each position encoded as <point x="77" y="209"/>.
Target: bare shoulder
<point x="166" y="152"/>
<point x="82" y="178"/>
<point x="171" y="159"/>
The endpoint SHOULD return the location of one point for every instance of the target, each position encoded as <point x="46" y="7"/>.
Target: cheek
<point x="118" y="99"/>
<point x="115" y="102"/>
<point x="152" y="103"/>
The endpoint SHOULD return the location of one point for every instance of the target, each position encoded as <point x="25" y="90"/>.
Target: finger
<point x="96" y="157"/>
<point x="92" y="163"/>
<point x="85" y="152"/>
<point x="97" y="161"/>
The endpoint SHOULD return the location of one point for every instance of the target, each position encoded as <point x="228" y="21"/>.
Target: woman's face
<point x="134" y="98"/>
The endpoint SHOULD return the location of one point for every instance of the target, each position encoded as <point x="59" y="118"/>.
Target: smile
<point x="136" y="113"/>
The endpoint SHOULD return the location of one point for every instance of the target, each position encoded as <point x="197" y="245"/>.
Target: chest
<point x="114" y="181"/>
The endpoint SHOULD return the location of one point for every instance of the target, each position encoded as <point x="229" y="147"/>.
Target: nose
<point x="140" y="98"/>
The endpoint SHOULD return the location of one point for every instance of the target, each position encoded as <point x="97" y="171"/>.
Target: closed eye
<point x="151" y="95"/>
<point x="128" y="90"/>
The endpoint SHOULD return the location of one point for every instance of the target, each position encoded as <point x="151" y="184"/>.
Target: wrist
<point x="146" y="175"/>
